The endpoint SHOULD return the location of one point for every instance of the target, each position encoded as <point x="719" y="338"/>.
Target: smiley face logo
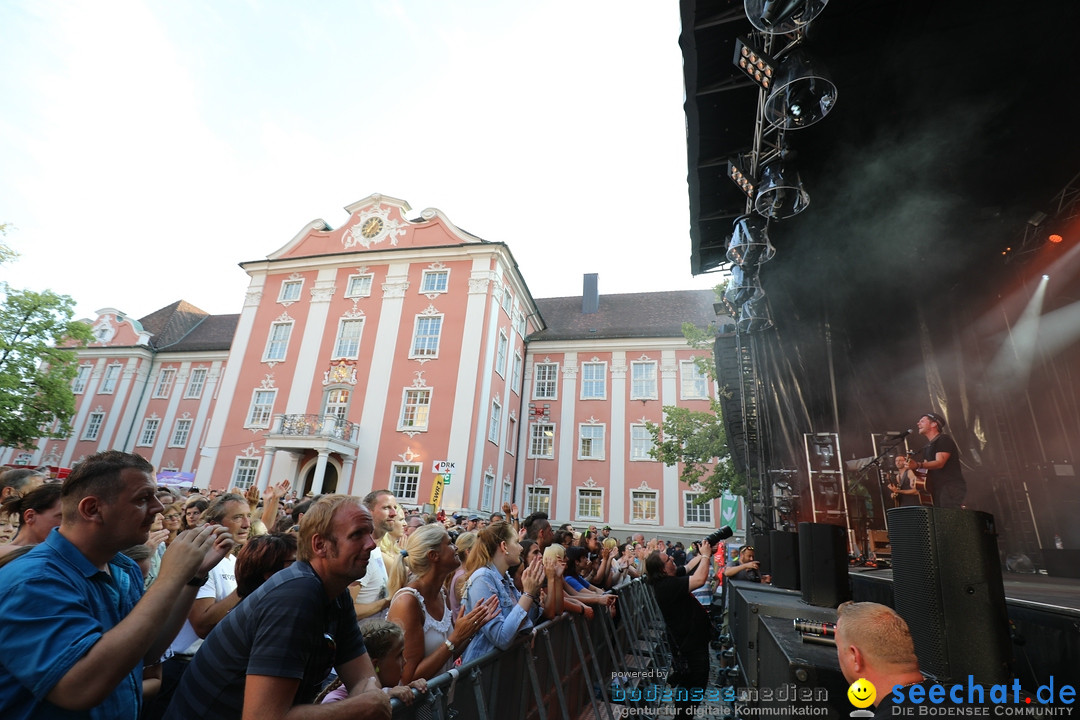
<point x="862" y="693"/>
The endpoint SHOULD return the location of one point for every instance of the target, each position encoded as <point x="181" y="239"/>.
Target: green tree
<point x="6" y="252"/>
<point x="38" y="343"/>
<point x="695" y="439"/>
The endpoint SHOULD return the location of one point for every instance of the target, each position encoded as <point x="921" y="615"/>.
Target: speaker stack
<point x="947" y="585"/>
<point x="823" y="564"/>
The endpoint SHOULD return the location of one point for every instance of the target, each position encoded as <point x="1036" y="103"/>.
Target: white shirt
<point x="221" y="582"/>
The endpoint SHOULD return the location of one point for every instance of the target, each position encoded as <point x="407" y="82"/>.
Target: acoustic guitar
<point x="925" y="498"/>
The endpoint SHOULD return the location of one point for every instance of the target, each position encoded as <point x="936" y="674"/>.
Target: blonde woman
<point x="496" y="549"/>
<point x="464" y="544"/>
<point x="433" y="635"/>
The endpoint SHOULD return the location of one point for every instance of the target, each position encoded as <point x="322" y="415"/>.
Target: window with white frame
<point x="93" y="425"/>
<point x="545" y="381"/>
<point x="166" y="378"/>
<point x="643" y="506"/>
<point x="434" y="281"/>
<point x="694" y="385"/>
<point x="359" y="285"/>
<point x="290" y="290"/>
<point x="641" y="442"/>
<point x="643" y="380"/>
<point x="347" y="345"/>
<point x="78" y="385"/>
<point x="245" y="472"/>
<point x="507" y="492"/>
<point x="108" y="383"/>
<point x="415" y="405"/>
<point x="515" y="377"/>
<point x="487" y="498"/>
<point x="507" y="300"/>
<point x="542" y="440"/>
<point x="593" y="381"/>
<point x="196" y="383"/>
<point x="149" y="431"/>
<point x="337" y="403"/>
<point x="500" y="354"/>
<point x="181" y="432"/>
<point x="511" y="431"/>
<point x="404" y="481"/>
<point x="277" y="342"/>
<point x="426" y="334"/>
<point x="698" y="514"/>
<point x="590" y="504"/>
<point x="496" y="422"/>
<point x="262" y="407"/>
<point x="519" y="324"/>
<point x="591" y="442"/>
<point x="537" y="499"/>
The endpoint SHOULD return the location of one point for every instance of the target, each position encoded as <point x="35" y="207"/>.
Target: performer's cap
<point x="936" y="418"/>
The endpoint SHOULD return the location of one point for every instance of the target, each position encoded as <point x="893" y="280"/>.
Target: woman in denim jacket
<point x="496" y="549"/>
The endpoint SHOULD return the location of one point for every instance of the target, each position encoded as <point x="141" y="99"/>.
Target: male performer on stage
<point x="903" y="489"/>
<point x="941" y="458"/>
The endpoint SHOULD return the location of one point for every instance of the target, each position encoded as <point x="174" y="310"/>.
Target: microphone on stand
<point x="901" y="435"/>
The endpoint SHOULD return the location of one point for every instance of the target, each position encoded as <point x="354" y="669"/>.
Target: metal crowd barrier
<point x="566" y="668"/>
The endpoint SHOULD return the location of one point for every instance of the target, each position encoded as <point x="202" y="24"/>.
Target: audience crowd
<point x="123" y="599"/>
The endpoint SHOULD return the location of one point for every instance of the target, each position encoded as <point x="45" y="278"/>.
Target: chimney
<point x="590" y="295"/>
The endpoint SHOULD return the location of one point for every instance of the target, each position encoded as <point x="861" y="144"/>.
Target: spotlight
<point x="802" y="93"/>
<point x="757" y="65"/>
<point x="744" y="286"/>
<point x="1055" y="238"/>
<point x="750" y="243"/>
<point x="781" y="193"/>
<point x="782" y="16"/>
<point x="754" y="316"/>
<point x="746" y="182"/>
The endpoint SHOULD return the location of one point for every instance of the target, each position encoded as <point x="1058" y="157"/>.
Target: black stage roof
<point x="952" y="127"/>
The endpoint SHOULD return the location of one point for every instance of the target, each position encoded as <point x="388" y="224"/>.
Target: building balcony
<point x="314" y="432"/>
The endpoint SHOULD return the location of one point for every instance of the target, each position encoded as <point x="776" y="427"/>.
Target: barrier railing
<point x="568" y="667"/>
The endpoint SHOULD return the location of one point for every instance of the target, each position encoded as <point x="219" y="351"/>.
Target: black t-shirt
<point x="951" y="474"/>
<point x="686" y="618"/>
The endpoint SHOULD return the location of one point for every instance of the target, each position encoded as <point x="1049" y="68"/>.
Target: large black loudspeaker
<point x="760" y="541"/>
<point x="947" y="586"/>
<point x="784" y="559"/>
<point x="823" y="564"/>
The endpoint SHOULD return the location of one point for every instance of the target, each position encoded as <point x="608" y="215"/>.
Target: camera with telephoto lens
<point x="717" y="535"/>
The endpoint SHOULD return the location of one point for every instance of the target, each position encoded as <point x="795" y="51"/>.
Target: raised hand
<point x="533" y="576"/>
<point x="195" y="552"/>
<point x="252" y="495"/>
<point x="156" y="538"/>
<point x="467" y="625"/>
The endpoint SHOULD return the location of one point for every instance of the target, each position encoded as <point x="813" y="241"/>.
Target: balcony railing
<point x="316" y="426"/>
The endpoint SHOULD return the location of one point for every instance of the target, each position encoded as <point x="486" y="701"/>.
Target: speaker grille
<point x="947" y="585"/>
<point x="917" y="594"/>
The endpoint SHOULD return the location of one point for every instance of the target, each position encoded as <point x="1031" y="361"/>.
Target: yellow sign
<point x="436" y="491"/>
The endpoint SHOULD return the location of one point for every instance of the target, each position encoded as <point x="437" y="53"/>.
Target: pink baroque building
<point x="405" y="353"/>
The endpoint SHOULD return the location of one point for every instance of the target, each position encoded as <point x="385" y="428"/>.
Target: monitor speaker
<point x="784" y="559"/>
<point x="823" y="564"/>
<point x="947" y="585"/>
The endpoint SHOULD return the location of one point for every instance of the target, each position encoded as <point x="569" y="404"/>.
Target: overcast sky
<point x="147" y="147"/>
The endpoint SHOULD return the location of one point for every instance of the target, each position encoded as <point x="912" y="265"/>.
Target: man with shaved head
<point x="873" y="643"/>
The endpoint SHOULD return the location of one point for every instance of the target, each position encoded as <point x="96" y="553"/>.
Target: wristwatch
<point x="198" y="581"/>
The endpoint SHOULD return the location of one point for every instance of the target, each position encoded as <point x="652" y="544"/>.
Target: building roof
<point x="182" y="327"/>
<point x="627" y="315"/>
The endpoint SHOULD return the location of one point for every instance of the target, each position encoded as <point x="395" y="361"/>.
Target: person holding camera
<point x="688" y="625"/>
<point x="747" y="569"/>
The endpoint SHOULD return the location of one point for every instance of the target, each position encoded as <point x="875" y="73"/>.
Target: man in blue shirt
<point x="77" y="626"/>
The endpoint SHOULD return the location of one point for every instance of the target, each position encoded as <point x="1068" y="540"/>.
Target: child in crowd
<point x="385" y="643"/>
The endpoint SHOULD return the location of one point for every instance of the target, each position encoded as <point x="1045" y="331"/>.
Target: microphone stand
<point x="862" y="473"/>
